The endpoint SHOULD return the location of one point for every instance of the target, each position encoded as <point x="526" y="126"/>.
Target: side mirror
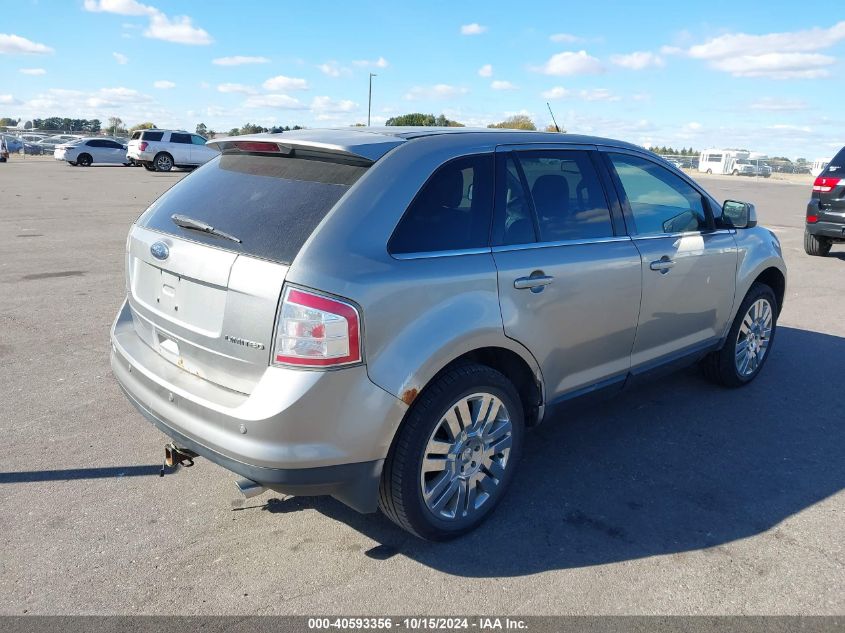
<point x="738" y="215"/>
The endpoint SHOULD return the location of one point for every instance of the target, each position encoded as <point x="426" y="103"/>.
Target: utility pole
<point x="370" y="100"/>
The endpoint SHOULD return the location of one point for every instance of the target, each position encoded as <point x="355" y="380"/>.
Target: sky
<point x="765" y="77"/>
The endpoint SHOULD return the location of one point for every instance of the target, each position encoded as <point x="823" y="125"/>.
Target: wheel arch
<point x="776" y="280"/>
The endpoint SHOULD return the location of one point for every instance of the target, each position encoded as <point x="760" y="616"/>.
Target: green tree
<point x="116" y="126"/>
<point x="202" y="130"/>
<point x="413" y="119"/>
<point x="8" y="122"/>
<point x="146" y="125"/>
<point x="516" y="122"/>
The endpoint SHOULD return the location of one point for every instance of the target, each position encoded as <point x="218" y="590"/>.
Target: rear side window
<point x="567" y="196"/>
<point x="836" y="167"/>
<point x="176" y="137"/>
<point x="271" y="203"/>
<point x="660" y="201"/>
<point x="152" y="136"/>
<point x="452" y="211"/>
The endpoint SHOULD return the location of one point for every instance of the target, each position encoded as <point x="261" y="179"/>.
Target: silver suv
<point x="379" y="314"/>
<point x="162" y="150"/>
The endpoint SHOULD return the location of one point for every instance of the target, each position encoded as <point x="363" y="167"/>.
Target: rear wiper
<point x="189" y="223"/>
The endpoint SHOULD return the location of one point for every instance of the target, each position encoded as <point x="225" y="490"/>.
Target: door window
<point x="567" y="196"/>
<point x="180" y="138"/>
<point x="197" y="139"/>
<point x="452" y="211"/>
<point x="660" y="202"/>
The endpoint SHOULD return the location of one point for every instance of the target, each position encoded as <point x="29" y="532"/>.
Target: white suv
<point x="162" y="150"/>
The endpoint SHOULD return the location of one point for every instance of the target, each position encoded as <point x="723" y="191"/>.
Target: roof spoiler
<point x="287" y="147"/>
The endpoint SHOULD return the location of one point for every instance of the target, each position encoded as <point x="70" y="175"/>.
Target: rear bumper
<point x="135" y="154"/>
<point x="298" y="432"/>
<point x="831" y="224"/>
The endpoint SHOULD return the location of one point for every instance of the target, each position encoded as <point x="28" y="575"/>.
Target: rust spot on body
<point x="409" y="395"/>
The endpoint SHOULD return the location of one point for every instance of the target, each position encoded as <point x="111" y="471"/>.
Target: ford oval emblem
<point x="159" y="250"/>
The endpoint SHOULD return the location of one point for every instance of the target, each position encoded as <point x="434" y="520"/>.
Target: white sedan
<point x="87" y="151"/>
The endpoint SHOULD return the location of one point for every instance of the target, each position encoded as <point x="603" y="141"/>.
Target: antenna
<point x="553" y="116"/>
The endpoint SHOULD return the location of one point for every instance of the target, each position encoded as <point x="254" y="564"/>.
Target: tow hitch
<point x="175" y="456"/>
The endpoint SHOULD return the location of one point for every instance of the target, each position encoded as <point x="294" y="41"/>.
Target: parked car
<point x="162" y="150"/>
<point x="87" y="151"/>
<point x="13" y="143"/>
<point x="4" y="150"/>
<point x="825" y="219"/>
<point x="372" y="315"/>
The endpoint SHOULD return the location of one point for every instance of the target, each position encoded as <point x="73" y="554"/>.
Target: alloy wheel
<point x="466" y="457"/>
<point x="753" y="338"/>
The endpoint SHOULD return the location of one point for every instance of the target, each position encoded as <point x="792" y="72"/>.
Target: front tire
<point x="163" y="162"/>
<point x="710" y="171"/>
<point x="749" y="341"/>
<point x="816" y="246"/>
<point x="454" y="455"/>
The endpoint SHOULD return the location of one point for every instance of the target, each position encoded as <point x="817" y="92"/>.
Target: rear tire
<point x="446" y="471"/>
<point x="84" y="160"/>
<point x="71" y="163"/>
<point x="710" y="171"/>
<point x="749" y="341"/>
<point x="163" y="161"/>
<point x="816" y="246"/>
<point x="149" y="167"/>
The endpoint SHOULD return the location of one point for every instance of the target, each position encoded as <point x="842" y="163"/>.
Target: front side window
<point x="659" y="201"/>
<point x="452" y="211"/>
<point x="197" y="139"/>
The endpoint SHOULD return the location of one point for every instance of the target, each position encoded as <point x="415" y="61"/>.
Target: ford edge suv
<point x="379" y="314"/>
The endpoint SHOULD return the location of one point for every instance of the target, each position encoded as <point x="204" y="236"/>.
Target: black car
<point x="826" y="209"/>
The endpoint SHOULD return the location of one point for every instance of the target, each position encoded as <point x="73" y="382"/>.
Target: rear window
<point x="271" y="203"/>
<point x="152" y="136"/>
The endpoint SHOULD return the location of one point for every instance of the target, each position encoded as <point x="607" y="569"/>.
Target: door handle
<point x="527" y="283"/>
<point x="663" y="264"/>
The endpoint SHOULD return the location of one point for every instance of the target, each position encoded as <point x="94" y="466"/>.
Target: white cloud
<point x="787" y="55"/>
<point x="693" y="126"/>
<point x="239" y="60"/>
<point x="473" y="29"/>
<point x="768" y="104"/>
<point x="179" y="29"/>
<point x="326" y="104"/>
<point x="11" y="44"/>
<point x="280" y="82"/>
<point x="569" y="63"/>
<point x="485" y="71"/>
<point x="638" y="60"/>
<point x="283" y="102"/>
<point x="236" y="88"/>
<point x="438" y="91"/>
<point x="120" y="58"/>
<point x="33" y="71"/>
<point x="381" y="62"/>
<point x="502" y="85"/>
<point x="565" y="38"/>
<point x="592" y="94"/>
<point x="163" y="84"/>
<point x="8" y="100"/>
<point x="120" y="7"/>
<point x="333" y="69"/>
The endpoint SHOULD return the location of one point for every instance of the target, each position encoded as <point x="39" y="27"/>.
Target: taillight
<point x="142" y="146"/>
<point x="825" y="185"/>
<point x="316" y="331"/>
<point x="812" y="219"/>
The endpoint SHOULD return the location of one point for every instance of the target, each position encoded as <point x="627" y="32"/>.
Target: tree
<point x="8" y="122"/>
<point x="415" y="119"/>
<point x="116" y="126"/>
<point x="146" y="125"/>
<point x="202" y="130"/>
<point x="516" y="122"/>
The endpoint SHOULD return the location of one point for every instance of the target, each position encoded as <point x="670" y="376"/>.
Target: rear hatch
<point x="206" y="302"/>
<point x="829" y="191"/>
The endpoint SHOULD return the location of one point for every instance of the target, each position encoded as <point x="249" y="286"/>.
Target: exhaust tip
<point x="249" y="488"/>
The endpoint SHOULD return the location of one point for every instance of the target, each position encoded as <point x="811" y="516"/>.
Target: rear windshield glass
<point x="837" y="165"/>
<point x="271" y="203"/>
